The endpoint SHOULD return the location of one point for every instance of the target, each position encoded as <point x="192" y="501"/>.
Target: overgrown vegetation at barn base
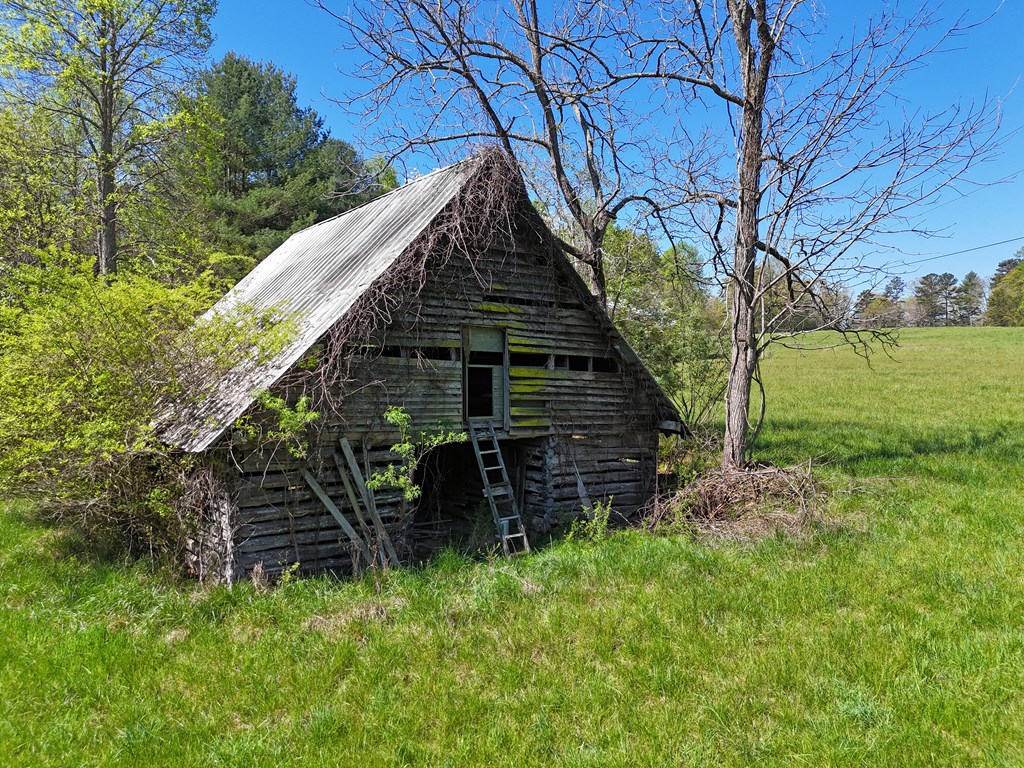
<point x="86" y="368"/>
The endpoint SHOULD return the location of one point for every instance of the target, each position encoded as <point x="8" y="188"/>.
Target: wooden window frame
<point x="501" y="421"/>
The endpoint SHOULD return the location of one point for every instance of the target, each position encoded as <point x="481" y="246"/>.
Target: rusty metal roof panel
<point x="314" y="277"/>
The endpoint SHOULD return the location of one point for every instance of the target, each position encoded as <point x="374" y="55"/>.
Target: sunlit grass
<point x="892" y="636"/>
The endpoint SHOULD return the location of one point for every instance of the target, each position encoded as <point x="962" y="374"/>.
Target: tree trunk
<point x="742" y="363"/>
<point x="599" y="281"/>
<point x="106" y="257"/>
<point x="744" y="353"/>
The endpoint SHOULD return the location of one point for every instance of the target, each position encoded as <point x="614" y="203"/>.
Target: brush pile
<point x="749" y="504"/>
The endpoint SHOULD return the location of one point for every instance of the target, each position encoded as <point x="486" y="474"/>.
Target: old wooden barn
<point x="447" y="298"/>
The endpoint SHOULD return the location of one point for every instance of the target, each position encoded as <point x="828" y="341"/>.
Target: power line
<point x="965" y="250"/>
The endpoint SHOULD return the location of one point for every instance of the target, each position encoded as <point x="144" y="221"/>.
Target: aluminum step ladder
<point x="498" y="489"/>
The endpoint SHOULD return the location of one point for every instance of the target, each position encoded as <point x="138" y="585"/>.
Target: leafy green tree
<point x="1006" y="299"/>
<point x="659" y="304"/>
<point x="877" y="310"/>
<point x="271" y="167"/>
<point x="38" y="207"/>
<point x="969" y="299"/>
<point x="165" y="220"/>
<point x="111" y="69"/>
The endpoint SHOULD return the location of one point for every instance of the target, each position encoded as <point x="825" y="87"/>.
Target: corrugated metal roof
<point x="315" y="277"/>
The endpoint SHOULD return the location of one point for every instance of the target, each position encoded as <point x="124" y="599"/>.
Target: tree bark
<point x="106" y="256"/>
<point x="742" y="364"/>
<point x="599" y="281"/>
<point x="744" y="353"/>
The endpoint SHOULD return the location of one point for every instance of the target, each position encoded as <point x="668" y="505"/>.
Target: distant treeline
<point x="943" y="300"/>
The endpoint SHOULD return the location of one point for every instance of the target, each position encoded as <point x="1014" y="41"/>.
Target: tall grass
<point x="892" y="636"/>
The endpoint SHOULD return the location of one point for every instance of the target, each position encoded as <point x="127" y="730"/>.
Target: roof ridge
<point x="405" y="185"/>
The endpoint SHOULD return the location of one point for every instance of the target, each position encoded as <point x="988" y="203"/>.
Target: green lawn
<point x="892" y="636"/>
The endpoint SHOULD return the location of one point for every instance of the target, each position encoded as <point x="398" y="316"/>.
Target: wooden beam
<point x="350" y="492"/>
<point x="357" y="473"/>
<point x="370" y="502"/>
<point x="581" y="489"/>
<point x="336" y="513"/>
<point x="353" y="499"/>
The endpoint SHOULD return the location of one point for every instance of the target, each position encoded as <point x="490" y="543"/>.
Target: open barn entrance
<point x="452" y="510"/>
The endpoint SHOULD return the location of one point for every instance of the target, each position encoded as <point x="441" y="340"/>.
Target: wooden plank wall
<point x="591" y="428"/>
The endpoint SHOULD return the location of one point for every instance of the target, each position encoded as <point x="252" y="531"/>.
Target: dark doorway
<point x="452" y="510"/>
<point x="480" y="387"/>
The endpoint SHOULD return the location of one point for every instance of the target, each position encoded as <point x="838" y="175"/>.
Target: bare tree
<point x="553" y="90"/>
<point x="793" y="155"/>
<point x="109" y="69"/>
<point x="825" y="162"/>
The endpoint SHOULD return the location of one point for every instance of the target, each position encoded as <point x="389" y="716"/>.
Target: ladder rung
<point x="496" y="450"/>
<point x="519" y="535"/>
<point x="500" y="490"/>
<point x="509" y="519"/>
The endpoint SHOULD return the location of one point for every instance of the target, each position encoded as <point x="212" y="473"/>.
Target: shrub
<point x="86" y="369"/>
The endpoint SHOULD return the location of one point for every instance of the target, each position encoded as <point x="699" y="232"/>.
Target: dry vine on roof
<point x="481" y="214"/>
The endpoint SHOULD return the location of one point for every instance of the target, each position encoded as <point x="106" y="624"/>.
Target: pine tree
<point x="271" y="166"/>
<point x="1006" y="266"/>
<point x="970" y="299"/>
<point x="935" y="298"/>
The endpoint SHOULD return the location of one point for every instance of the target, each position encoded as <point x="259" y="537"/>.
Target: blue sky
<point x="989" y="61"/>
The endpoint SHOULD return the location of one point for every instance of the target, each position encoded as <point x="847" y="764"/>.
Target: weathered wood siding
<point x="594" y="431"/>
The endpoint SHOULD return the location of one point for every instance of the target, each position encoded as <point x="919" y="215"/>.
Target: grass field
<point x="893" y="635"/>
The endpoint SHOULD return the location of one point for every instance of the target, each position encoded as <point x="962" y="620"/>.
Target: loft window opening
<point x="435" y="353"/>
<point x="528" y="360"/>
<point x="572" y="363"/>
<point x="485" y="369"/>
<point x="579" y="363"/>
<point x="486" y="358"/>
